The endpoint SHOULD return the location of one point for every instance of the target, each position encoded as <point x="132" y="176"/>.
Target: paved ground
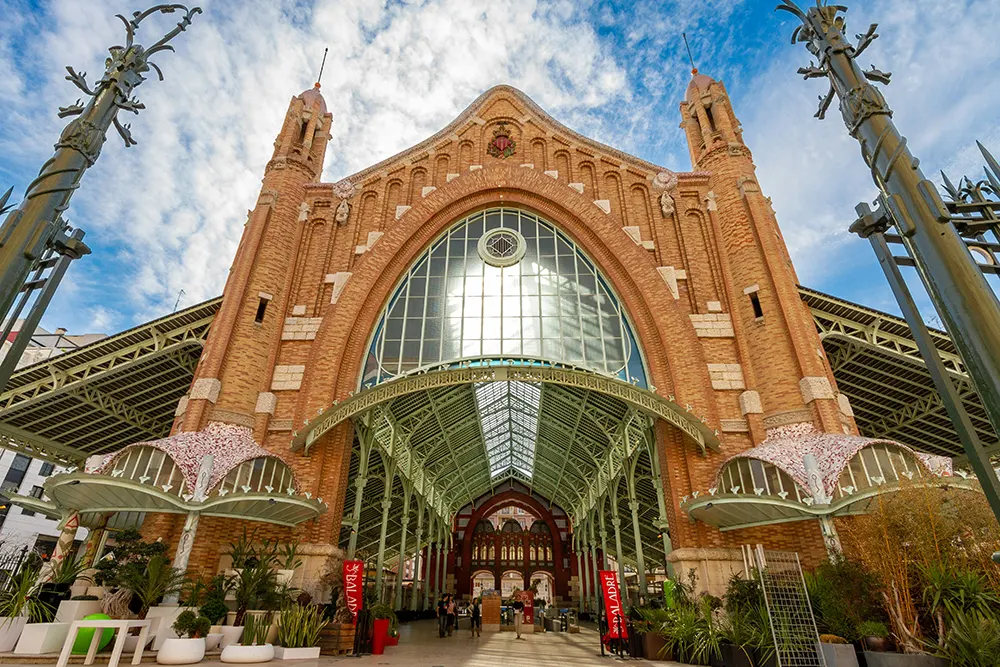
<point x="419" y="646"/>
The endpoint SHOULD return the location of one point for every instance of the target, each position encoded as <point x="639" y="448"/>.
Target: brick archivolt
<point x="676" y="362"/>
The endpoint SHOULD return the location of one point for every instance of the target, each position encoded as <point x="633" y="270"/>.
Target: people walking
<point x="442" y="615"/>
<point x="518" y="616"/>
<point x="477" y="619"/>
<point x="452" y="615"/>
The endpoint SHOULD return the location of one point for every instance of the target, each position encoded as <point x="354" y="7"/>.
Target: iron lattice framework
<point x="878" y="366"/>
<point x="108" y="394"/>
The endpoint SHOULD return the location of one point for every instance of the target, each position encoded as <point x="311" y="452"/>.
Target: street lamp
<point x="926" y="227"/>
<point x="36" y="243"/>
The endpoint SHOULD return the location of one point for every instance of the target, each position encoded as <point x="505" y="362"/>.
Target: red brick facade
<point x="691" y="259"/>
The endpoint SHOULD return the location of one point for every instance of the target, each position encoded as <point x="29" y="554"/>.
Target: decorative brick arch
<point x="675" y="359"/>
<point x="529" y="504"/>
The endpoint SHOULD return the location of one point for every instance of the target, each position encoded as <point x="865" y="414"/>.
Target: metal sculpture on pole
<point x="927" y="227"/>
<point x="36" y="242"/>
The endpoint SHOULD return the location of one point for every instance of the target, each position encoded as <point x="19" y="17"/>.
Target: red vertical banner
<point x="354" y="574"/>
<point x="613" y="604"/>
<point x="528" y="598"/>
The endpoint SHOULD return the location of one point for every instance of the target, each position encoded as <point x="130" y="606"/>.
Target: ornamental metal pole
<point x="958" y="289"/>
<point x="36" y="228"/>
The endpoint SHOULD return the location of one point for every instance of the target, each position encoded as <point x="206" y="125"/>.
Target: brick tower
<point x="234" y="376"/>
<point x="787" y="377"/>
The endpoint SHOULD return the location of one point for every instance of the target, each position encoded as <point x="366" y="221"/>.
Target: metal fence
<point x="793" y="626"/>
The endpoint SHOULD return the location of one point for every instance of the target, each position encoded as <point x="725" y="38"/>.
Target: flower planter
<point x="212" y="640"/>
<point x="735" y="656"/>
<point x="38" y="638"/>
<point x="53" y="594"/>
<point x="230" y="635"/>
<point x="10" y="631"/>
<point x="181" y="651"/>
<point x="653" y="645"/>
<point x="240" y="654"/>
<point x="305" y="653"/>
<point x="886" y="659"/>
<point x="284" y="576"/>
<point x="131" y="641"/>
<point x="336" y="639"/>
<point x="840" y="655"/>
<point x="75" y="610"/>
<point x="392" y="640"/>
<point x="379" y="635"/>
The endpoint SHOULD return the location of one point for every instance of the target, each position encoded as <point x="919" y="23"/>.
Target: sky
<point x="166" y="215"/>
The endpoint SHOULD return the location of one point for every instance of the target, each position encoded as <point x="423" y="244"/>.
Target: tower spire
<point x="321" y="67"/>
<point x="694" y="70"/>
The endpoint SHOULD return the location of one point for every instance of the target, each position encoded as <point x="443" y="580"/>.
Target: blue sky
<point x="167" y="214"/>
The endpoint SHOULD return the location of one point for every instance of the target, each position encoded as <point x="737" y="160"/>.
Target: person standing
<point x="452" y="614"/>
<point x="442" y="615"/>
<point x="477" y="619"/>
<point x="518" y="615"/>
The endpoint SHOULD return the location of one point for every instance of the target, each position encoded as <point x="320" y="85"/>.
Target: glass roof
<point x="550" y="306"/>
<point x="508" y="415"/>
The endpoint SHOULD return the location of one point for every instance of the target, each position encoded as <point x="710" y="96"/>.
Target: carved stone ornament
<point x="344" y="190"/>
<point x="343" y="212"/>
<point x="502" y="145"/>
<point x="666" y="204"/>
<point x="665" y="180"/>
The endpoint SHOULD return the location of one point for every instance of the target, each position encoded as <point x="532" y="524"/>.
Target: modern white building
<point x="23" y="475"/>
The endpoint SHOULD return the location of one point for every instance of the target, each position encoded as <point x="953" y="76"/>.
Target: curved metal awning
<point x="729" y="511"/>
<point x="877" y="365"/>
<point x="108" y="394"/>
<point x="93" y="493"/>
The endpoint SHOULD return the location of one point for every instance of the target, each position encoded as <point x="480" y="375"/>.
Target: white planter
<point x="78" y="589"/>
<point x="181" y="651"/>
<point x="283" y="653"/>
<point x="10" y="631"/>
<point x="284" y="576"/>
<point x="96" y="590"/>
<point x="237" y="653"/>
<point x="230" y="635"/>
<point x="38" y="638"/>
<point x="75" y="610"/>
<point x="161" y="618"/>
<point x="212" y="640"/>
<point x="131" y="641"/>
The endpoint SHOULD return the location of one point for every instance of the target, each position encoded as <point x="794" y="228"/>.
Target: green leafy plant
<point x="680" y="633"/>
<point x="195" y="593"/>
<point x="191" y="625"/>
<point x="973" y="640"/>
<point x="843" y="594"/>
<point x="214" y="610"/>
<point x="152" y="584"/>
<point x="67" y="571"/>
<point x="130" y="554"/>
<point x="873" y="629"/>
<point x="739" y="629"/>
<point x="254" y="585"/>
<point x="18" y="596"/>
<point x="255" y="629"/>
<point x="709" y="632"/>
<point x="650" y="619"/>
<point x="299" y="626"/>
<point x="288" y="556"/>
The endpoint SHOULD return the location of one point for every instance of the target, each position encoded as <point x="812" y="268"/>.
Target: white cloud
<point x="168" y="213"/>
<point x="813" y="170"/>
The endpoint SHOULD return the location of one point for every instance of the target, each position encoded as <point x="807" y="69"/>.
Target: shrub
<point x="190" y="625"/>
<point x="214" y="610"/>
<point x="973" y="640"/>
<point x="843" y="594"/>
<point x="833" y="639"/>
<point x="873" y="629"/>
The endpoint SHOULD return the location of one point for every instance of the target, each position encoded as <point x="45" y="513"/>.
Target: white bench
<point x="122" y="627"/>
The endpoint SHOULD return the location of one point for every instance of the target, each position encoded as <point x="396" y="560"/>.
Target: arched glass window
<point x="548" y="554"/>
<point x="503" y="552"/>
<point x="503" y="284"/>
<point x="532" y="554"/>
<point x="520" y="552"/>
<point x="475" y="552"/>
<point x="493" y="552"/>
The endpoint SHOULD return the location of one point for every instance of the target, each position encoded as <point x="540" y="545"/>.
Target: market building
<point x="506" y="315"/>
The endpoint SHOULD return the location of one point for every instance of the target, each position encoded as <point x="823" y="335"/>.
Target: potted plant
<point x="337" y="637"/>
<point x="254" y="647"/>
<point x="740" y="637"/>
<point x="189" y="647"/>
<point x="288" y="561"/>
<point x="77" y="607"/>
<point x="56" y="584"/>
<point x="215" y="610"/>
<point x="298" y="632"/>
<point x="648" y="624"/>
<point x="18" y="603"/>
<point x="838" y="652"/>
<point x="148" y="586"/>
<point x="874" y="636"/>
<point x="383" y="615"/>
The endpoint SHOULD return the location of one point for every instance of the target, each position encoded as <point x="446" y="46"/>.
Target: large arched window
<point x="503" y="284"/>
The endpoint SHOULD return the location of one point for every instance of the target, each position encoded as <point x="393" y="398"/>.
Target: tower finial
<point x="694" y="70"/>
<point x="321" y="67"/>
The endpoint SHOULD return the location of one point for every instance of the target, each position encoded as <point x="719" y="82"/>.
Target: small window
<point x="261" y="308"/>
<point x="46" y="469"/>
<point x="755" y="302"/>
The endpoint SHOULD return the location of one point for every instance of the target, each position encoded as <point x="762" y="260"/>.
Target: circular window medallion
<point x="501" y="247"/>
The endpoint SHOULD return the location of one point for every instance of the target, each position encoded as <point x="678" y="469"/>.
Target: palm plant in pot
<point x="18" y="602"/>
<point x="148" y="586"/>
<point x="189" y="646"/>
<point x="56" y="584"/>
<point x="254" y="647"/>
<point x="298" y="632"/>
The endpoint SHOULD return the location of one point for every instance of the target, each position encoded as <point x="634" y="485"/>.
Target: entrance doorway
<point x="546" y="586"/>
<point x="509" y="582"/>
<point x="482" y="581"/>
